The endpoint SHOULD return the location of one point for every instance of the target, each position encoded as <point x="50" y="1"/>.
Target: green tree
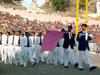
<point x="61" y="4"/>
<point x="8" y="1"/>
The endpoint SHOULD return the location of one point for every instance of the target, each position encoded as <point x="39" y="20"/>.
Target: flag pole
<point x="86" y="18"/>
<point x="77" y="14"/>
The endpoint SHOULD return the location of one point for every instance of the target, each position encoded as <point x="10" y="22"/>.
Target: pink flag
<point x="50" y="40"/>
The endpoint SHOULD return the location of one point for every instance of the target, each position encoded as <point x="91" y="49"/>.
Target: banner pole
<point x="86" y="18"/>
<point x="77" y="14"/>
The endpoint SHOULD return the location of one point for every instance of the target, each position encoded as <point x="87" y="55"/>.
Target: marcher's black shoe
<point x="66" y="66"/>
<point x="81" y="69"/>
<point x="76" y="65"/>
<point x="69" y="62"/>
<point x="33" y="64"/>
<point x="93" y="68"/>
<point x="43" y="62"/>
<point x="21" y="65"/>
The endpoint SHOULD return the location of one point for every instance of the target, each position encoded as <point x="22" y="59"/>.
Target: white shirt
<point x="10" y="40"/>
<point x="38" y="40"/>
<point x="24" y="42"/>
<point x="86" y="35"/>
<point x="16" y="40"/>
<point x="33" y="38"/>
<point x="61" y="41"/>
<point x="4" y="39"/>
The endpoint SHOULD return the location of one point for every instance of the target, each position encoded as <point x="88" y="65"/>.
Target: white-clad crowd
<point x="15" y="46"/>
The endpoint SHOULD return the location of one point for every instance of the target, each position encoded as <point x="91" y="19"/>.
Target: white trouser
<point x="21" y="54"/>
<point x="38" y="54"/>
<point x="10" y="53"/>
<point x="69" y="54"/>
<point x="33" y="48"/>
<point x="17" y="52"/>
<point x="66" y="57"/>
<point x="28" y="51"/>
<point x="58" y="55"/>
<point x="5" y="48"/>
<point x="87" y="55"/>
<point x="2" y="52"/>
<point x="76" y="54"/>
<point x="47" y="55"/>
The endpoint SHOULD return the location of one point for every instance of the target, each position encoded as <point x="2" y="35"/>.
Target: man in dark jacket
<point x="83" y="39"/>
<point x="69" y="43"/>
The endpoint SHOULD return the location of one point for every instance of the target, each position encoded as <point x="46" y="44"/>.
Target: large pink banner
<point x="50" y="40"/>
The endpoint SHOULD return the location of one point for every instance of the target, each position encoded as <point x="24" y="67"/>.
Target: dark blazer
<point x="69" y="42"/>
<point x="83" y="43"/>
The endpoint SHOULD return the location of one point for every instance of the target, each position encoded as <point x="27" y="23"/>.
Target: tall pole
<point x="86" y="18"/>
<point x="77" y="14"/>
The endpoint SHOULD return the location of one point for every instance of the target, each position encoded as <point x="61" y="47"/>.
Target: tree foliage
<point x="61" y="4"/>
<point x="8" y="1"/>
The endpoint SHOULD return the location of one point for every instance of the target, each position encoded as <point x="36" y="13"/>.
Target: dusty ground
<point x="44" y="69"/>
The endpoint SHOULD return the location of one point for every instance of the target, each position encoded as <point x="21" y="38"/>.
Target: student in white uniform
<point x="1" y="47"/>
<point x="22" y="50"/>
<point x="83" y="39"/>
<point x="76" y="50"/>
<point x="5" y="45"/>
<point x="27" y="47"/>
<point x="11" y="46"/>
<point x="48" y="55"/>
<point x="74" y="53"/>
<point x="38" y="55"/>
<point x="17" y="46"/>
<point x="42" y="54"/>
<point x="58" y="53"/>
<point x="33" y="37"/>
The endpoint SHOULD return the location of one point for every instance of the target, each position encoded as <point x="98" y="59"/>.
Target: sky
<point x="28" y="2"/>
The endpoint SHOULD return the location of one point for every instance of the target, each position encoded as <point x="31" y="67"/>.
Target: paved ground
<point x="44" y="69"/>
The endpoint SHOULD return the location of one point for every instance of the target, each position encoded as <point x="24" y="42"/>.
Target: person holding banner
<point x="83" y="39"/>
<point x="58" y="53"/>
<point x="39" y="41"/>
<point x="69" y="44"/>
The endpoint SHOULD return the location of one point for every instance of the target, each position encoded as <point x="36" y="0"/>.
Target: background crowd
<point x="16" y="22"/>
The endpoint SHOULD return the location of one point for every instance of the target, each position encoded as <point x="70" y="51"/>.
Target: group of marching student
<point x="16" y="45"/>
